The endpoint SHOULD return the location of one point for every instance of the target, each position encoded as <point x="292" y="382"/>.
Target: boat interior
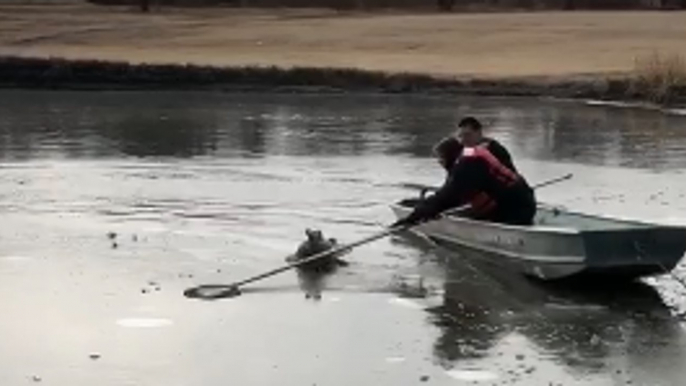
<point x="547" y="215"/>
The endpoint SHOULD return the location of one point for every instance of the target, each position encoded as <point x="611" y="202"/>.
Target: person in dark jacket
<point x="471" y="134"/>
<point x="476" y="177"/>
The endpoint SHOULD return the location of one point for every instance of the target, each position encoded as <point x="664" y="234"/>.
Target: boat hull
<point x="563" y="244"/>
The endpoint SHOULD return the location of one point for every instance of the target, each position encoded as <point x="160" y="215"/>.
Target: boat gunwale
<point x="635" y="224"/>
<point x="531" y="229"/>
<point x="618" y="220"/>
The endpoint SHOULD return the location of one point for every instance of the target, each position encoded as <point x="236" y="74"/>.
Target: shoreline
<point x="79" y="74"/>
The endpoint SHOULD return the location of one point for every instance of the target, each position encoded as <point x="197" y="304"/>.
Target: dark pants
<point x="517" y="209"/>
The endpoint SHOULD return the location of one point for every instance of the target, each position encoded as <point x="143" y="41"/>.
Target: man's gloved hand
<point x="406" y="221"/>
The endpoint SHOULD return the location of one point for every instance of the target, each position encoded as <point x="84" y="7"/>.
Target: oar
<point x="553" y="181"/>
<point x="215" y="291"/>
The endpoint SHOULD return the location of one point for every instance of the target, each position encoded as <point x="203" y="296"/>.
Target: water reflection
<point x="251" y="135"/>
<point x="611" y="319"/>
<point x="466" y="332"/>
<point x="586" y="328"/>
<point x="176" y="136"/>
<point x="184" y="124"/>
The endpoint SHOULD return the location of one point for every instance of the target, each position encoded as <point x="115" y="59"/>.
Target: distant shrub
<point x="659" y="78"/>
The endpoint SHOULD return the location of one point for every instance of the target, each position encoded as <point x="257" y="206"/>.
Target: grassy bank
<point x="485" y="46"/>
<point x="53" y="73"/>
<point x="561" y="54"/>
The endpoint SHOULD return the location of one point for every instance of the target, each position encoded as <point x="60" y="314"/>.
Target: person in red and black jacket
<point x="476" y="177"/>
<point x="471" y="134"/>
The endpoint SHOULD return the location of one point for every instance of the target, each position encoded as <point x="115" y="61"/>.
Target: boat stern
<point x="637" y="252"/>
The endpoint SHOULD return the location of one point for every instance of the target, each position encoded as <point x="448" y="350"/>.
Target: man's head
<point x="470" y="132"/>
<point x="448" y="151"/>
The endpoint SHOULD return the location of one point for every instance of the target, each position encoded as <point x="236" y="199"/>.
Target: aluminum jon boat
<point x="563" y="244"/>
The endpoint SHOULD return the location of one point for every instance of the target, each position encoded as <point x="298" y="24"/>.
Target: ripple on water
<point x="472" y="375"/>
<point x="15" y="259"/>
<point x="144" y="322"/>
<point x="407" y="303"/>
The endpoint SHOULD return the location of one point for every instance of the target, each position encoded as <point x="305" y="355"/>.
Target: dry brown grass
<point x="659" y="77"/>
<point x="489" y="45"/>
<point x="552" y="47"/>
